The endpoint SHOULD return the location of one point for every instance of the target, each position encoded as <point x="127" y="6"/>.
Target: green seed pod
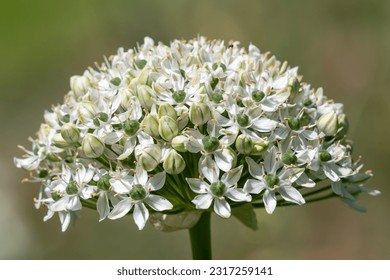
<point x="92" y="146"/>
<point x="174" y="163"/>
<point x="167" y="128"/>
<point x="70" y="133"/>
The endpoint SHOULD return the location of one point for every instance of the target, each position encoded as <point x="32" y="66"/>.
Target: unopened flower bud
<point x="258" y="147"/>
<point x="199" y="113"/>
<point x="244" y="144"/>
<point x="92" y="146"/>
<point x="167" y="128"/>
<point x="79" y="85"/>
<point x="343" y="124"/>
<point x="59" y="141"/>
<point x="149" y="157"/>
<point x="86" y="110"/>
<point x="150" y="125"/>
<point x="179" y="143"/>
<point x="167" y="110"/>
<point x="145" y="96"/>
<point x="328" y="123"/>
<point x="70" y="133"/>
<point x="174" y="163"/>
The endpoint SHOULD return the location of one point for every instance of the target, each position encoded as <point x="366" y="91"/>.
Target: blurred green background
<point x="343" y="46"/>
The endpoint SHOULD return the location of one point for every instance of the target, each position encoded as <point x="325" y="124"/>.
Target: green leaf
<point x="246" y="215"/>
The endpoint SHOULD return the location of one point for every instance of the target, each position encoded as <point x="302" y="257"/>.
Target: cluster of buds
<point x="166" y="132"/>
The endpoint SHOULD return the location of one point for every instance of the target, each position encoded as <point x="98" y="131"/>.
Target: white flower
<point x="139" y="190"/>
<point x="217" y="190"/>
<point x="272" y="180"/>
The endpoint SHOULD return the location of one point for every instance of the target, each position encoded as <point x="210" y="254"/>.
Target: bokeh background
<point x="343" y="46"/>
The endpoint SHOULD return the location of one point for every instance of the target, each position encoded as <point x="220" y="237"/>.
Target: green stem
<point x="200" y="236"/>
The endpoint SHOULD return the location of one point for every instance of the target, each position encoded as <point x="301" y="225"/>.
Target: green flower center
<point x="258" y="95"/>
<point x="210" y="144"/>
<point x="131" y="127"/>
<point x="116" y="81"/>
<point x="218" y="96"/>
<point x="140" y="63"/>
<point x="271" y="180"/>
<point x="242" y="120"/>
<point x="289" y="158"/>
<point x="179" y="96"/>
<point x="293" y="123"/>
<point x="104" y="183"/>
<point x="218" y="188"/>
<point x="72" y="188"/>
<point x="325" y="156"/>
<point x="137" y="192"/>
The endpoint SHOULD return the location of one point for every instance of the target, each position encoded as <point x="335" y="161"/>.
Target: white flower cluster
<point x="195" y="125"/>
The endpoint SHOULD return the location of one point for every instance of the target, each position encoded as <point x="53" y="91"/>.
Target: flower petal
<point x="102" y="206"/>
<point x="238" y="195"/>
<point x="121" y="209"/>
<point x="292" y="195"/>
<point x="254" y="168"/>
<point x="232" y="176"/>
<point x="264" y="125"/>
<point x="203" y="201"/>
<point x="269" y="200"/>
<point x="209" y="169"/>
<point x="157" y="181"/>
<point x="158" y="202"/>
<point x="140" y="215"/>
<point x="222" y="208"/>
<point x="254" y="186"/>
<point x="197" y="185"/>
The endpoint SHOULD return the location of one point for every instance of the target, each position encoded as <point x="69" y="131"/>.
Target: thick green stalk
<point x="200" y="236"/>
